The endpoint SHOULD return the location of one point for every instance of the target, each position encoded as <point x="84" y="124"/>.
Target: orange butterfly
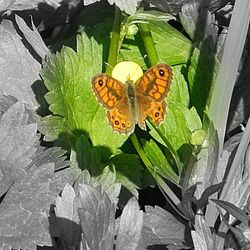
<point x="129" y="104"/>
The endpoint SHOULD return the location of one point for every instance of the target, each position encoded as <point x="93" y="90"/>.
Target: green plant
<point x="183" y="156"/>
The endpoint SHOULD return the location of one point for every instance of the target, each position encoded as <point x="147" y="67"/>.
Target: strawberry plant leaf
<point x="97" y="217"/>
<point x="130" y="226"/>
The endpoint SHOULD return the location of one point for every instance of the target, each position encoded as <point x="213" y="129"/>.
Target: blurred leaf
<point x="18" y="141"/>
<point x="160" y="161"/>
<point x="203" y="201"/>
<point x="33" y="37"/>
<point x="174" y="7"/>
<point x="237" y="186"/>
<point x="25" y="208"/>
<point x="162" y="228"/>
<point x="67" y="218"/>
<point x="106" y="180"/>
<point x="228" y="71"/>
<point x="236" y="212"/>
<point x="130" y="226"/>
<point x="239" y="106"/>
<point x="97" y="217"/>
<point x="19" y="69"/>
<point x="128" y="171"/>
<point x="202" y="236"/>
<point x="129" y="6"/>
<point x="27" y="5"/>
<point x="198" y="23"/>
<point x="67" y="75"/>
<point x="53" y="154"/>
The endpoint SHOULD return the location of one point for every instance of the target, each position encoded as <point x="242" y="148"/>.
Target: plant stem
<point x="114" y="43"/>
<point x="173" y="198"/>
<point x="148" y="43"/>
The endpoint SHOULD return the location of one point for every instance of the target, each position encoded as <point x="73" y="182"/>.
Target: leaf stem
<point x="148" y="43"/>
<point x="114" y="43"/>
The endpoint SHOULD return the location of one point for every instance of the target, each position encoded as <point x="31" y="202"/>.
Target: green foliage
<point x="67" y="75"/>
<point x="108" y="168"/>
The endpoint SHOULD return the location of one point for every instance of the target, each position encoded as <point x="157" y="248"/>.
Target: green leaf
<point x="88" y="157"/>
<point x="128" y="171"/>
<point x="67" y="75"/>
<point x="97" y="217"/>
<point x="176" y="129"/>
<point x="179" y="88"/>
<point x="171" y="45"/>
<point x="160" y="162"/>
<point x="130" y="226"/>
<point x="201" y="75"/>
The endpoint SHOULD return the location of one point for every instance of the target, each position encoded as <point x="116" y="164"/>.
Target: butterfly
<point x="130" y="103"/>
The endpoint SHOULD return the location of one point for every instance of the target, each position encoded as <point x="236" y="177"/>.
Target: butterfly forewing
<point x="155" y="82"/>
<point x="108" y="90"/>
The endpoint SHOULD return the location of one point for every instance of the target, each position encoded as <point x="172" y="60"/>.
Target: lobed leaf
<point x="161" y="227"/>
<point x="97" y="217"/>
<point x="19" y="69"/>
<point x="130" y="226"/>
<point x="67" y="75"/>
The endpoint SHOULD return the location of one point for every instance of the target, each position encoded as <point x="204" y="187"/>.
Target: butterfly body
<point x="130" y="103"/>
